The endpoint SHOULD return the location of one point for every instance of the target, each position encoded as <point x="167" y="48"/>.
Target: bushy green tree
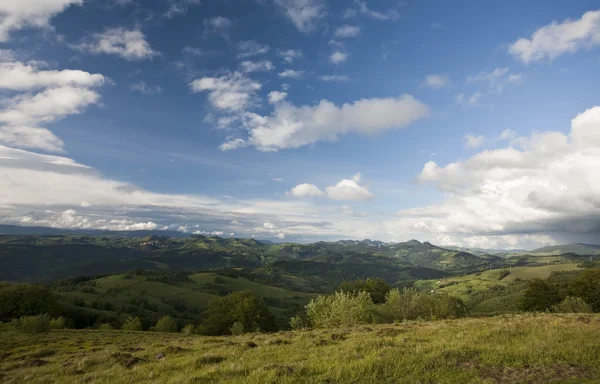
<point x="188" y="329"/>
<point x="587" y="287"/>
<point x="17" y="300"/>
<point x="58" y="323"/>
<point x="571" y="305"/>
<point x="412" y="304"/>
<point x="377" y="288"/>
<point x="166" y="324"/>
<point x="539" y="296"/>
<point x="105" y="327"/>
<point x="132" y="324"/>
<point x="298" y="323"/>
<point x="237" y="329"/>
<point x="238" y="307"/>
<point x="341" y="308"/>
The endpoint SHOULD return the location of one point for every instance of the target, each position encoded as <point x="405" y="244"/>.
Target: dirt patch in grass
<point x="533" y="375"/>
<point x="35" y="363"/>
<point x="127" y="359"/>
<point x="250" y="344"/>
<point x="173" y="349"/>
<point x="338" y="336"/>
<point x="209" y="359"/>
<point x="278" y="342"/>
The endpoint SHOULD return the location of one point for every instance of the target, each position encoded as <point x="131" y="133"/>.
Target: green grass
<point x="461" y="286"/>
<point x="510" y="349"/>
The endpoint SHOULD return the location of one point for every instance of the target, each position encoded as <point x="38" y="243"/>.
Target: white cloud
<point x="218" y="23"/>
<point x="436" y="81"/>
<point x="338" y="57"/>
<point x="334" y="78"/>
<point x="276" y="97"/>
<point x="472" y="100"/>
<point x="346" y="31"/>
<point x="556" y="39"/>
<point x="280" y="236"/>
<point x="233" y="92"/>
<point x="346" y="189"/>
<point x="472" y="141"/>
<point x="257" y="66"/>
<point x="303" y="13"/>
<point x="306" y="190"/>
<point x="291" y="73"/>
<point x="130" y="45"/>
<point x="233" y="144"/>
<point x="507" y="134"/>
<point x="180" y="7"/>
<point x="17" y="76"/>
<point x="290" y="55"/>
<point x="497" y="79"/>
<point x="249" y="48"/>
<point x="390" y="14"/>
<point x="146" y="89"/>
<point x="290" y="126"/>
<point x="30" y="137"/>
<point x="21" y="14"/>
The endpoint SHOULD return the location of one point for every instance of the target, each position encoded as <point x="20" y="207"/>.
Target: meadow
<point x="526" y="348"/>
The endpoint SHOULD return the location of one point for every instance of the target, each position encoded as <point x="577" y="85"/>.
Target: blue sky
<point x="303" y="120"/>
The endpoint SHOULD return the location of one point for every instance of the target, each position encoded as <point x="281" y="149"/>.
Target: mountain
<point x="576" y="248"/>
<point x="50" y="257"/>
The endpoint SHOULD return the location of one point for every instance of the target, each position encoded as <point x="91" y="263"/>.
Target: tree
<point x="132" y="324"/>
<point x="341" y="308"/>
<point x="376" y="287"/>
<point x="539" y="296"/>
<point x="412" y="304"/>
<point x="241" y="307"/>
<point x="166" y="324"/>
<point x="571" y="305"/>
<point x="587" y="287"/>
<point x="17" y="300"/>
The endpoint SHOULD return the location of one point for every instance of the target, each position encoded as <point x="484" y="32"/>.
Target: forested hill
<point x="44" y="258"/>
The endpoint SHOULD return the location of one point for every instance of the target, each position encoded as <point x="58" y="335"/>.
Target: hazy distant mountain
<point x="577" y="248"/>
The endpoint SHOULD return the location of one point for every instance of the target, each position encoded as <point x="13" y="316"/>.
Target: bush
<point x="17" y="300"/>
<point x="539" y="296"/>
<point x="105" y="327"/>
<point x="166" y="324"/>
<point x="238" y="307"/>
<point x="58" y="323"/>
<point x="237" y="329"/>
<point x="132" y="324"/>
<point x="412" y="304"/>
<point x="188" y="329"/>
<point x="298" y="323"/>
<point x="342" y="308"/>
<point x="587" y="287"/>
<point x="377" y="288"/>
<point x="34" y="324"/>
<point x="503" y="274"/>
<point x="571" y="305"/>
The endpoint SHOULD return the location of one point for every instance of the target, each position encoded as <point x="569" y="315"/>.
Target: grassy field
<point x="461" y="286"/>
<point x="510" y="349"/>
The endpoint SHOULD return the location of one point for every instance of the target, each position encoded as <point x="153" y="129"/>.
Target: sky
<point x="463" y="123"/>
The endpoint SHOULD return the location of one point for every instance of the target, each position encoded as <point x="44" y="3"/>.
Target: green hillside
<point x="532" y="348"/>
<point x="576" y="248"/>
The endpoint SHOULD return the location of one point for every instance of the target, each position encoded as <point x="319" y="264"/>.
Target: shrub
<point x="342" y="308"/>
<point x="34" y="324"/>
<point x="298" y="323"/>
<point x="503" y="274"/>
<point x="237" y="329"/>
<point x="539" y="296"/>
<point x="58" y="323"/>
<point x="587" y="287"/>
<point x="166" y="324"/>
<point x="571" y="305"/>
<point x="238" y="307"/>
<point x="412" y="304"/>
<point x="105" y="327"/>
<point x="18" y="300"/>
<point x="188" y="329"/>
<point x="132" y="324"/>
<point x="377" y="288"/>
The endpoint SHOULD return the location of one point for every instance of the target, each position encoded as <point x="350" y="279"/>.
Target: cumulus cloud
<point x="233" y="92"/>
<point x="291" y="126"/>
<point x="346" y="31"/>
<point x="556" y="39"/>
<point x="43" y="96"/>
<point x="544" y="185"/>
<point x="435" y="81"/>
<point x="17" y="15"/>
<point x="304" y="14"/>
<point x="276" y="97"/>
<point x="338" y="57"/>
<point x="291" y="73"/>
<point x="128" y="44"/>
<point x="233" y="144"/>
<point x="346" y="189"/>
<point x="249" y="48"/>
<point x="257" y="66"/>
<point x="472" y="141"/>
<point x="290" y="55"/>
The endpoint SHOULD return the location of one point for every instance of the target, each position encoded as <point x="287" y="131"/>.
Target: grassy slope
<point x="487" y="279"/>
<point x="510" y="349"/>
